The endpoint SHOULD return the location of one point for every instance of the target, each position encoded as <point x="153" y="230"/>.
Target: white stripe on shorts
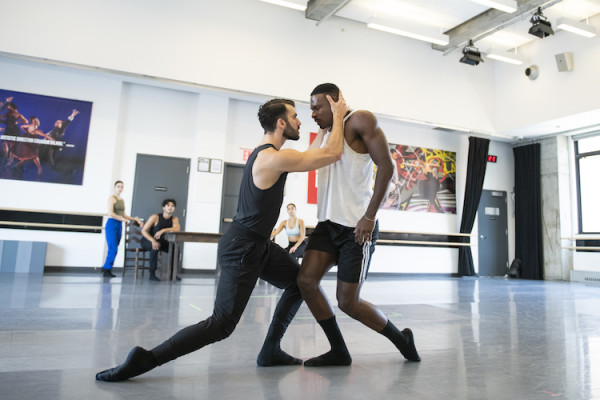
<point x="366" y="250"/>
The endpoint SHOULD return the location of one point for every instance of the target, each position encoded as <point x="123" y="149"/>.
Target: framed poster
<point x="43" y="138"/>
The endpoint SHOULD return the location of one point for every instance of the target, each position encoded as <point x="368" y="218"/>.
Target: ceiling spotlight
<point x="540" y="27"/>
<point x="471" y="54"/>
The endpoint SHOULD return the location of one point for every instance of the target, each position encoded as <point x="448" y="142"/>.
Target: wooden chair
<point x="135" y="256"/>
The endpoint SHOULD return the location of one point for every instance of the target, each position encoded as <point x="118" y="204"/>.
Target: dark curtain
<point x="528" y="211"/>
<point x="478" y="152"/>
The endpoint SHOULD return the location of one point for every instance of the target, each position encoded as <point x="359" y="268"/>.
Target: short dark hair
<point x="271" y="111"/>
<point x="327" y="88"/>
<point x="12" y="105"/>
<point x="117" y="182"/>
<point x="167" y="201"/>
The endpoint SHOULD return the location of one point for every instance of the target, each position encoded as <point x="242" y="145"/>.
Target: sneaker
<point x="108" y="273"/>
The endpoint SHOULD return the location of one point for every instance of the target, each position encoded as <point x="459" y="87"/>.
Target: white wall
<point x="522" y="102"/>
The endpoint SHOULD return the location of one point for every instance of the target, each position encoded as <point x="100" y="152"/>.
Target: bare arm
<point x="42" y="134"/>
<point x="153" y="220"/>
<point x="135" y="219"/>
<point x="318" y="139"/>
<point x="365" y="126"/>
<point x="279" y="228"/>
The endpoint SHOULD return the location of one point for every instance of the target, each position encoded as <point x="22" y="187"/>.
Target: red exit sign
<point x="492" y="158"/>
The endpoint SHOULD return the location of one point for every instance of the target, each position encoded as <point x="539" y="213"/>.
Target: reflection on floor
<point x="479" y="338"/>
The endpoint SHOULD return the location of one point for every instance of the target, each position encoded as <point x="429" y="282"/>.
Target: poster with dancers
<point x="423" y="180"/>
<point x="43" y="138"/>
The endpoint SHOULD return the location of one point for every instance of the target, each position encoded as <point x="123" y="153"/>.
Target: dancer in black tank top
<point x="245" y="252"/>
<point x="153" y="231"/>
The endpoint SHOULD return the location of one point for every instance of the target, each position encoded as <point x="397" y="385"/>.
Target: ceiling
<point x="492" y="30"/>
<point x="461" y="20"/>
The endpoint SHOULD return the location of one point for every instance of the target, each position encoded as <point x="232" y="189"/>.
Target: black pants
<point x="299" y="253"/>
<point x="164" y="247"/>
<point x="244" y="257"/>
<point x="147" y="245"/>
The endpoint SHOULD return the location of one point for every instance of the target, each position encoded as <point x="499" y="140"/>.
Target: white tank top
<point x="344" y="188"/>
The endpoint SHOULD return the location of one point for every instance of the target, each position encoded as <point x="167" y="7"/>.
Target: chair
<point x="135" y="256"/>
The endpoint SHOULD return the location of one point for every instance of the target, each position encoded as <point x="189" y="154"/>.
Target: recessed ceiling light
<point x="287" y="4"/>
<point x="431" y="37"/>
<point x="577" y="27"/>
<point x="509" y="6"/>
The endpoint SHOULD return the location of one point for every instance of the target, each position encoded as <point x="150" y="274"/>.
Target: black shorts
<point x="353" y="260"/>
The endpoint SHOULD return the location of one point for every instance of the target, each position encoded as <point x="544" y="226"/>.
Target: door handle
<point x="481" y="237"/>
<point x="227" y="219"/>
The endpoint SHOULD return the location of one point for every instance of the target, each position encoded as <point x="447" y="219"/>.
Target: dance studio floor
<point x="479" y="338"/>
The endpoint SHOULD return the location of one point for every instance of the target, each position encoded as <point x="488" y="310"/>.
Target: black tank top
<point x="258" y="210"/>
<point x="162" y="224"/>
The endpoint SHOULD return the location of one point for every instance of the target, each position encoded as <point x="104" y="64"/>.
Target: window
<point x="587" y="158"/>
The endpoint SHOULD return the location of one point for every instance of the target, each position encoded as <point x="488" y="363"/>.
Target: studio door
<point x="232" y="179"/>
<point x="493" y="233"/>
<point x="158" y="178"/>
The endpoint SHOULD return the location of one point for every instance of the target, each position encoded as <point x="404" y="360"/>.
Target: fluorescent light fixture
<point x="431" y="37"/>
<point x="509" y="6"/>
<point x="577" y="27"/>
<point x="505" y="58"/>
<point x="287" y="4"/>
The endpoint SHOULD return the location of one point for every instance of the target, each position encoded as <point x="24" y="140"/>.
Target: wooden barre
<point x="582" y="238"/>
<point x="580" y="248"/>
<point x="429" y="233"/>
<point x="42" y="224"/>
<point x="53" y="212"/>
<point x="415" y="233"/>
<point x="423" y="242"/>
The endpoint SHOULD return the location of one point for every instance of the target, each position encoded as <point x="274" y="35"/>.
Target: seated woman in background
<point x="296" y="233"/>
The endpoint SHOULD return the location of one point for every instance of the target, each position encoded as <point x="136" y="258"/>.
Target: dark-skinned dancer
<point x="347" y="204"/>
<point x="245" y="252"/>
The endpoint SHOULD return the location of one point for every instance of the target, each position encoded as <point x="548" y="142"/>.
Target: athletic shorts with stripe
<point x="353" y="260"/>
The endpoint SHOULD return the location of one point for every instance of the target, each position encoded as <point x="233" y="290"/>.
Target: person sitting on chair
<point x="153" y="231"/>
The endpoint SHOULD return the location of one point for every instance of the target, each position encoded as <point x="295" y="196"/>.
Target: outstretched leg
<point x="236" y="283"/>
<point x="314" y="266"/>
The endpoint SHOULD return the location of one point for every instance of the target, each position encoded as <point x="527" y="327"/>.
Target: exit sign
<point x="492" y="158"/>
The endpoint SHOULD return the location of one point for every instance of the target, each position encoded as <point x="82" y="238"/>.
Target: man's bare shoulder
<point x="361" y="119"/>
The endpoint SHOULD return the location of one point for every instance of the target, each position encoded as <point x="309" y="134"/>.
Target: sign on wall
<point x="43" y="138"/>
<point x="423" y="180"/>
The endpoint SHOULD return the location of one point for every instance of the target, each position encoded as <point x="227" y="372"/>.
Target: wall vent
<point x="585" y="276"/>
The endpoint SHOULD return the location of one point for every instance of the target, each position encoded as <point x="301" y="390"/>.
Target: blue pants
<point x="113" y="231"/>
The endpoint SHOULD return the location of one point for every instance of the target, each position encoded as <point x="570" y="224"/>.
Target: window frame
<point x="578" y="157"/>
